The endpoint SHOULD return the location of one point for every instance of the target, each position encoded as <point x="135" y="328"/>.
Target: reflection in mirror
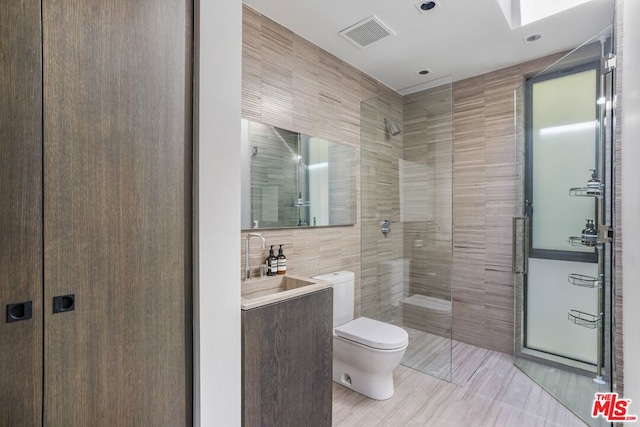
<point x="295" y="180"/>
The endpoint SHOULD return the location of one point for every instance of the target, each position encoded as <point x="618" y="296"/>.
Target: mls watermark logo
<point x="611" y="408"/>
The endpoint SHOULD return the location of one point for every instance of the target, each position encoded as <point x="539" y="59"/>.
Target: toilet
<point x="365" y="351"/>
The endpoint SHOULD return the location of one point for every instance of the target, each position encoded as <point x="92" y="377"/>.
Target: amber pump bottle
<point x="282" y="262"/>
<point x="272" y="263"/>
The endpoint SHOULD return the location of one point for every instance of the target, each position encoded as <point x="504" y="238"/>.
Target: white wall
<point x="218" y="30"/>
<point x="631" y="201"/>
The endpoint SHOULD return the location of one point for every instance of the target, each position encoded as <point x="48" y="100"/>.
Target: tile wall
<point x="383" y="265"/>
<point x="484" y="200"/>
<point x="291" y="83"/>
<point x="427" y="178"/>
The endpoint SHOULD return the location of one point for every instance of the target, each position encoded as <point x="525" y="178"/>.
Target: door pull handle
<point x="520" y="239"/>
<point x="19" y="311"/>
<point x="64" y="303"/>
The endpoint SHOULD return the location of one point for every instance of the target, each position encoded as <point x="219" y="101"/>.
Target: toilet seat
<point x="373" y="333"/>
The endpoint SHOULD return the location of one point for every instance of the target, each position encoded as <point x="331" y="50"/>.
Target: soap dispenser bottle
<point x="593" y="185"/>
<point x="272" y="263"/>
<point x="589" y="234"/>
<point x="282" y="262"/>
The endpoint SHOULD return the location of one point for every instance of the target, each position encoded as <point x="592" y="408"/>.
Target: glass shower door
<point x="407" y="190"/>
<point x="564" y="179"/>
<point x="561" y="154"/>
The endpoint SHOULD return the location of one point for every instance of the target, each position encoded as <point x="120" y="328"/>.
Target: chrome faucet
<point x="247" y="268"/>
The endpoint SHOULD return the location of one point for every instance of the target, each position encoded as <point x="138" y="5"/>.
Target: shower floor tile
<point x="442" y="357"/>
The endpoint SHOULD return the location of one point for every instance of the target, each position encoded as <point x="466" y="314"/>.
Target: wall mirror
<point x="295" y="180"/>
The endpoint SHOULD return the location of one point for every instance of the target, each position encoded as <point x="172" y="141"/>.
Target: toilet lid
<point x="373" y="333"/>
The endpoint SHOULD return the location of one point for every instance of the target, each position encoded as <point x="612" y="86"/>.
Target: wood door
<point x="20" y="212"/>
<point x="117" y="212"/>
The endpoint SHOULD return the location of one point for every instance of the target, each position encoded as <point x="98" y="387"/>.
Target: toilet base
<point x="377" y="386"/>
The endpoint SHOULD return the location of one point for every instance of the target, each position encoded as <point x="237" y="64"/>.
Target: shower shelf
<point x="584" y="281"/>
<point x="584" y="192"/>
<point x="585" y="320"/>
<point x="577" y="241"/>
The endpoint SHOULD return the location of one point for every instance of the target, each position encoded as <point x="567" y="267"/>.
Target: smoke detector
<point x="367" y="31"/>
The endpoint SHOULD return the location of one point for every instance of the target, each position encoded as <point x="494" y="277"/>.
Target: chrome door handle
<point x="520" y="224"/>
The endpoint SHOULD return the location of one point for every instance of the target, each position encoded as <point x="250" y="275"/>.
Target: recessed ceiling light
<point x="424" y="72"/>
<point x="426" y="5"/>
<point x="532" y="38"/>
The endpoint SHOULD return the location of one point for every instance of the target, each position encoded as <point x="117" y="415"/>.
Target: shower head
<point x="392" y="127"/>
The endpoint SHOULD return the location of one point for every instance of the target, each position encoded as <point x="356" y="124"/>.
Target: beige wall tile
<point x="291" y="83"/>
<point x="484" y="200"/>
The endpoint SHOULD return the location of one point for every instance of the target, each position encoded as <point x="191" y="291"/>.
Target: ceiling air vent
<point x="366" y="32"/>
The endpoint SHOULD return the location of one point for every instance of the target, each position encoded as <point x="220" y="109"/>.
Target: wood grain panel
<point x="117" y="105"/>
<point x="287" y="362"/>
<point x="21" y="211"/>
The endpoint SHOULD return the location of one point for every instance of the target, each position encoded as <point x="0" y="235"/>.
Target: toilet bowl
<point x="365" y="351"/>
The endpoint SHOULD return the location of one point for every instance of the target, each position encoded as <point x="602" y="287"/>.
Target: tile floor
<point x="497" y="394"/>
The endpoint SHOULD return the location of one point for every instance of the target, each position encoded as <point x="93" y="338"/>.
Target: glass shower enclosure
<point x="406" y="199"/>
<point x="562" y="244"/>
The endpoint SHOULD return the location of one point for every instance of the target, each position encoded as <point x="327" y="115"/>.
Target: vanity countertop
<point x="269" y="290"/>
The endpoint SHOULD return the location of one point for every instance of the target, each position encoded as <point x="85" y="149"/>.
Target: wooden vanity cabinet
<point x="287" y="351"/>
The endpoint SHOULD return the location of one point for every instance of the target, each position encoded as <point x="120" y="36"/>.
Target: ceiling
<point x="458" y="38"/>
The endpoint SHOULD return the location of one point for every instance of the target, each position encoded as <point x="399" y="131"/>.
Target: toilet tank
<point x="343" y="295"/>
